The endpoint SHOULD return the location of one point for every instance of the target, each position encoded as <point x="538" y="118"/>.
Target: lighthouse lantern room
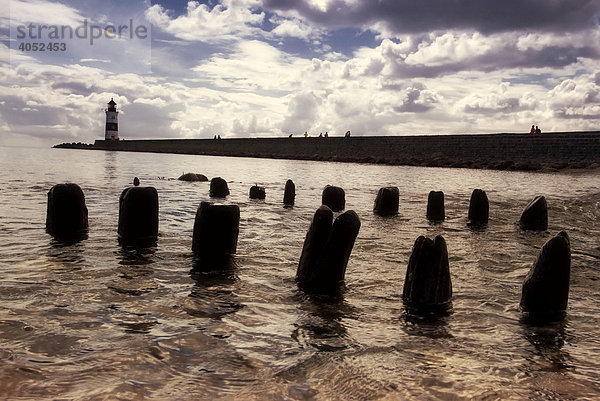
<point x="112" y="124"/>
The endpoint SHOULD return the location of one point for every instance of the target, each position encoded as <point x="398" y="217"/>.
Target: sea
<point x="96" y="321"/>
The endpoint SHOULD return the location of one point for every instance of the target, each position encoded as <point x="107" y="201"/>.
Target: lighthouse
<point x="112" y="124"/>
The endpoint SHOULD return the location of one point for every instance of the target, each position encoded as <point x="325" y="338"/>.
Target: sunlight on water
<point x="93" y="320"/>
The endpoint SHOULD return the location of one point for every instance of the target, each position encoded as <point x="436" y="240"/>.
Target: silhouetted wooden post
<point x="546" y="288"/>
<point x="535" y="215"/>
<point x="326" y="251"/>
<point x="334" y="198"/>
<point x="218" y="188"/>
<point x="138" y="216"/>
<point x="387" y="201"/>
<point x="479" y="208"/>
<point x="216" y="230"/>
<point x="314" y="243"/>
<point x="289" y="194"/>
<point x="66" y="213"/>
<point x="435" y="206"/>
<point x="428" y="285"/>
<point x="257" y="192"/>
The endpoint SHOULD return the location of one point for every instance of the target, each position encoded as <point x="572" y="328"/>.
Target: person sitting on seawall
<point x="326" y="134"/>
<point x="532" y="131"/>
<point x="347" y="134"/>
<point x="306" y="134"/>
<point x="538" y="130"/>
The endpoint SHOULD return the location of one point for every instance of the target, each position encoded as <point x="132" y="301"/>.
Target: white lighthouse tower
<point x="112" y="123"/>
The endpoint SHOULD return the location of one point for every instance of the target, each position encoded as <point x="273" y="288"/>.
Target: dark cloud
<point x="77" y="88"/>
<point x="487" y="16"/>
<point x="505" y="105"/>
<point x="506" y="57"/>
<point x="565" y="115"/>
<point x="46" y="121"/>
<point x="416" y="100"/>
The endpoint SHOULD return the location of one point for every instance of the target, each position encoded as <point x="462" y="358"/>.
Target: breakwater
<point x="494" y="151"/>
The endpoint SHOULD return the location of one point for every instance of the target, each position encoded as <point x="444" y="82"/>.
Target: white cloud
<point x="451" y="48"/>
<point x="226" y="21"/>
<point x="295" y="28"/>
<point x="254" y="65"/>
<point x="157" y="101"/>
<point x="93" y="60"/>
<point x="43" y="12"/>
<point x="576" y="99"/>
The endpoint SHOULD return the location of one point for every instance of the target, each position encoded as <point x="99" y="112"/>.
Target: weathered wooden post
<point x="334" y="198"/>
<point x="138" y="216"/>
<point x="435" y="206"/>
<point x="289" y="194"/>
<point x="314" y="243"/>
<point x="257" y="192"/>
<point x="479" y="208"/>
<point x="428" y="286"/>
<point x="535" y="215"/>
<point x="546" y="287"/>
<point x="218" y="188"/>
<point x="387" y="201"/>
<point x="326" y="251"/>
<point x="215" y="236"/>
<point x="66" y="214"/>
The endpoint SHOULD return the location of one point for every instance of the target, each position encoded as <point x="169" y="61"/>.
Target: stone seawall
<point x="499" y="151"/>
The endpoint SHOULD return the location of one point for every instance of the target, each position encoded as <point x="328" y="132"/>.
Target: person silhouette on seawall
<point x="532" y="131"/>
<point x="538" y="130"/>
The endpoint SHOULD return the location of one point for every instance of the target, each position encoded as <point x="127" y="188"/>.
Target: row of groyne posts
<point x="328" y="243"/>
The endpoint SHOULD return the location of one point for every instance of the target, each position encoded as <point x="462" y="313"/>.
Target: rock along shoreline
<point x="523" y="152"/>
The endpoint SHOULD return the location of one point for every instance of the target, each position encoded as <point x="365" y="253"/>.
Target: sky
<point x="268" y="68"/>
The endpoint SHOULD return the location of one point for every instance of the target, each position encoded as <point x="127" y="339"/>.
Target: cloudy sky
<point x="261" y="68"/>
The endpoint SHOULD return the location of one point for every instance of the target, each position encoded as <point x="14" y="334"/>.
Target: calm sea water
<point x="94" y="321"/>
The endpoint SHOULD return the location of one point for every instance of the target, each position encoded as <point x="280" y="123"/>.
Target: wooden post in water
<point x="289" y="194"/>
<point x="479" y="208"/>
<point x="138" y="216"/>
<point x="435" y="206"/>
<point x="387" y="201"/>
<point x="257" y="192"/>
<point x="535" y="215"/>
<point x="428" y="286"/>
<point x="546" y="288"/>
<point x="215" y="237"/>
<point x="66" y="214"/>
<point x="218" y="188"/>
<point x="326" y="251"/>
<point x="334" y="198"/>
